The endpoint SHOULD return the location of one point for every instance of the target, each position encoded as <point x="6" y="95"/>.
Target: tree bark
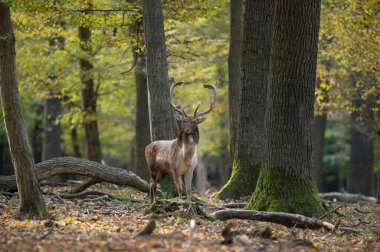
<point x="31" y="200"/>
<point x="254" y="80"/>
<point x="89" y="96"/>
<point x="360" y="172"/>
<point x="285" y="183"/>
<point x="161" y="117"/>
<point x="142" y="138"/>
<point x="234" y="70"/>
<point x="77" y="166"/>
<point x="162" y="123"/>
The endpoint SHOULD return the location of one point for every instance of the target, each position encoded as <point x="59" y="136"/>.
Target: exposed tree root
<point x="286" y="219"/>
<point x="347" y="197"/>
<point x="86" y="184"/>
<point x="77" y="166"/>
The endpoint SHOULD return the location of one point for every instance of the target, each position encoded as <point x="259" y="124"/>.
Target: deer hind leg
<point x="178" y="183"/>
<point x="153" y="186"/>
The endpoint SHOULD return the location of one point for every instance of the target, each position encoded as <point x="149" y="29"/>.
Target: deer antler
<point x="214" y="88"/>
<point x="177" y="107"/>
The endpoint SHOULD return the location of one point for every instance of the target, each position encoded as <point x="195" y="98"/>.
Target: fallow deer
<point x="177" y="156"/>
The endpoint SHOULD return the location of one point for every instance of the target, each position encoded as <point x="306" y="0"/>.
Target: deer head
<point x="189" y="124"/>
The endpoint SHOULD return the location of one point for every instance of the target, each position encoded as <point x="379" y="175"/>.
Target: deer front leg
<point x="188" y="179"/>
<point x="178" y="183"/>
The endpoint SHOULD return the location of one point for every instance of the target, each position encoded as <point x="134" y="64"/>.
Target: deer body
<point x="178" y="156"/>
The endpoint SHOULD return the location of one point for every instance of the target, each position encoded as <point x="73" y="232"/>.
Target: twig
<point x="329" y="212"/>
<point x="235" y="205"/>
<point x="362" y="212"/>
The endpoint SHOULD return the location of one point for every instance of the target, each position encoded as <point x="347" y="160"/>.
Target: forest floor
<point x="99" y="223"/>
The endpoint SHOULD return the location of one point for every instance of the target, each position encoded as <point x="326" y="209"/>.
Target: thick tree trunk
<point x="76" y="166"/>
<point x="255" y="72"/>
<point x="285" y="183"/>
<point x="234" y="70"/>
<point x="319" y="140"/>
<point x="142" y="128"/>
<point x="162" y="123"/>
<point x="360" y="172"/>
<point x="31" y="200"/>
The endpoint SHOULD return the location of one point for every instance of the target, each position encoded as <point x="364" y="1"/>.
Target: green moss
<point x="278" y="191"/>
<point x="242" y="181"/>
<point x="39" y="210"/>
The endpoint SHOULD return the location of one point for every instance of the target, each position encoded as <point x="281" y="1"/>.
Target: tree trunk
<point x="285" y="183"/>
<point x="52" y="129"/>
<point x="92" y="149"/>
<point x="201" y="175"/>
<point x="89" y="96"/>
<point x="142" y="138"/>
<point x="255" y="71"/>
<point x="31" y="200"/>
<point x="234" y="70"/>
<point x="162" y="123"/>
<point x="360" y="172"/>
<point x="37" y="135"/>
<point x="319" y="140"/>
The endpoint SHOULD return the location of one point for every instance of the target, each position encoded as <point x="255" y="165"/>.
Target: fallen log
<point x="77" y="166"/>
<point x="347" y="197"/>
<point x="286" y="219"/>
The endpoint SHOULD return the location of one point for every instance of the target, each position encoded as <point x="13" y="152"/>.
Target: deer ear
<point x="178" y="117"/>
<point x="200" y="120"/>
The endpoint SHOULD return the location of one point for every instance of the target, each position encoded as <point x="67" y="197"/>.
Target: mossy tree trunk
<point x="161" y="117"/>
<point x="256" y="45"/>
<point x="31" y="200"/>
<point x="285" y="183"/>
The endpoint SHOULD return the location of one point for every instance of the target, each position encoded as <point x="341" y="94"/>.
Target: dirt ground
<point x="102" y="223"/>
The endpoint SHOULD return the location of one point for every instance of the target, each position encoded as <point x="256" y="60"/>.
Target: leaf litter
<point x="124" y="223"/>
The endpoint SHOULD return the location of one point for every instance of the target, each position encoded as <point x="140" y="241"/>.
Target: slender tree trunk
<point x="234" y="70"/>
<point x="52" y="129"/>
<point x="162" y="123"/>
<point x="31" y="200"/>
<point x="254" y="80"/>
<point x="37" y="134"/>
<point x="319" y="140"/>
<point x="360" y="172"/>
<point x="285" y="183"/>
<point x="89" y="96"/>
<point x="74" y="142"/>
<point x="201" y="175"/>
<point x="92" y="150"/>
<point x="142" y="138"/>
